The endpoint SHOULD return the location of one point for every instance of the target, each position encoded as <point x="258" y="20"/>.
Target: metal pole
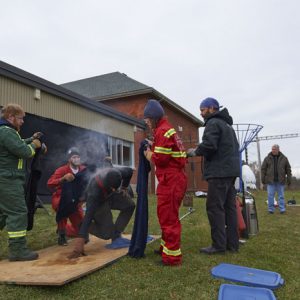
<point x="259" y="163"/>
<point x="246" y="155"/>
<point x="190" y="210"/>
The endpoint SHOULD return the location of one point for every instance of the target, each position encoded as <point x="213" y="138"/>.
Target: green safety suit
<point x="13" y="152"/>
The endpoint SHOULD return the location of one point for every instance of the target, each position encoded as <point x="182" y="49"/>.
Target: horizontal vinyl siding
<point x="58" y="109"/>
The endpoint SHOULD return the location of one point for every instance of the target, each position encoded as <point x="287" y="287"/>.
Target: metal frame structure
<point x="245" y="134"/>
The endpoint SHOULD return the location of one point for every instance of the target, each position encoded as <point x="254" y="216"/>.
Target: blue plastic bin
<point x="239" y="292"/>
<point x="248" y="276"/>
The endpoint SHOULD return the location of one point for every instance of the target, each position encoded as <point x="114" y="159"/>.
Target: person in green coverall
<point x="13" y="152"/>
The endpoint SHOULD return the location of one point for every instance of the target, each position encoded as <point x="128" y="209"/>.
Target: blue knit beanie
<point x="210" y="102"/>
<point x="153" y="110"/>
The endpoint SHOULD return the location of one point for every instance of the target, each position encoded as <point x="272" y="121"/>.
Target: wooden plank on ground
<point x="53" y="267"/>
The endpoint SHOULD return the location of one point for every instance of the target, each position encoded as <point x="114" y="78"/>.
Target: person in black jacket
<point x="220" y="150"/>
<point x="107" y="190"/>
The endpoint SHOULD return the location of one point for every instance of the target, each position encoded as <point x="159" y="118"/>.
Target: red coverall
<point x="169" y="158"/>
<point x="75" y="218"/>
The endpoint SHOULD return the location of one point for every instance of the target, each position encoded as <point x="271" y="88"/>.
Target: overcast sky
<point x="244" y="53"/>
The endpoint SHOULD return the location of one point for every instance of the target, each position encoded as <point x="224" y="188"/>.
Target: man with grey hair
<point x="275" y="172"/>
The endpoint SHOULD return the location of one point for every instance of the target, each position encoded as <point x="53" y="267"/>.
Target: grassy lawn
<point x="275" y="248"/>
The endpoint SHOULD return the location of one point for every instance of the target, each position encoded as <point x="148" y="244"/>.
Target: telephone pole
<point x="266" y="138"/>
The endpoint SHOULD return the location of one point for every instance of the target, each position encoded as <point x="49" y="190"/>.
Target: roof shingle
<point x="105" y="85"/>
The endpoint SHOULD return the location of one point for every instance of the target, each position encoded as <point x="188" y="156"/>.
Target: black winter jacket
<point x="283" y="169"/>
<point x="219" y="147"/>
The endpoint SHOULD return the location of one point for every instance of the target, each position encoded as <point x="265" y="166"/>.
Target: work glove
<point x="44" y="148"/>
<point x="37" y="135"/>
<point x="78" y="249"/>
<point x="149" y="142"/>
<point x="68" y="177"/>
<point x="190" y="152"/>
<point x="37" y="144"/>
<point x="148" y="154"/>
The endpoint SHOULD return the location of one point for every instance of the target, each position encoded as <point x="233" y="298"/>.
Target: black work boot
<point x="62" y="240"/>
<point x="18" y="250"/>
<point x="2" y="221"/>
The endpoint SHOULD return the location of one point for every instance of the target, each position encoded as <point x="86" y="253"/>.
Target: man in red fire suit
<point x="66" y="173"/>
<point x="169" y="158"/>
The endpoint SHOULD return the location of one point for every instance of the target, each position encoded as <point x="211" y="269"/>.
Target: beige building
<point x="68" y="119"/>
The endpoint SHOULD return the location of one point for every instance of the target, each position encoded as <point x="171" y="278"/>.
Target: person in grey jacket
<point x="220" y="150"/>
<point x="275" y="172"/>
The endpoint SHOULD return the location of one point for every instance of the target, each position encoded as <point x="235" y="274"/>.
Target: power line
<point x="275" y="137"/>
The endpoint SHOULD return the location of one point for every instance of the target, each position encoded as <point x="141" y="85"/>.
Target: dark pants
<point x="221" y="212"/>
<point x="103" y="225"/>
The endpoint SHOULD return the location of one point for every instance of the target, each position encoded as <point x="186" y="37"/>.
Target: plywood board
<point x="54" y="268"/>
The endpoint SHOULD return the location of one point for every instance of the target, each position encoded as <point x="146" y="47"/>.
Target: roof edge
<point x="155" y="93"/>
<point x="52" y="88"/>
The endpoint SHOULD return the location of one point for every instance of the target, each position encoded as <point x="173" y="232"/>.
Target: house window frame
<point x="116" y="151"/>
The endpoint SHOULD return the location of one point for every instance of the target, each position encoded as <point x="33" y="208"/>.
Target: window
<point x="121" y="152"/>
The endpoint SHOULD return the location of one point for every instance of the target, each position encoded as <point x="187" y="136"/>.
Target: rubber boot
<point x="2" y="223"/>
<point x="62" y="240"/>
<point x="18" y="250"/>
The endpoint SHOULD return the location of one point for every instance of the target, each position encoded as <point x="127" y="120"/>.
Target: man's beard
<point x="16" y="125"/>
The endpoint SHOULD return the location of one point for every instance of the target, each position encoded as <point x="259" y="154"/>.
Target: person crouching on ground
<point x="104" y="193"/>
<point x="64" y="211"/>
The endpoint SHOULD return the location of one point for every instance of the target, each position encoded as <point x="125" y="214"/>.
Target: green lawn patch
<point x="275" y="248"/>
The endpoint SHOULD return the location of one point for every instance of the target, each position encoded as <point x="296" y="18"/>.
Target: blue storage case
<point x="248" y="276"/>
<point x="239" y="292"/>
